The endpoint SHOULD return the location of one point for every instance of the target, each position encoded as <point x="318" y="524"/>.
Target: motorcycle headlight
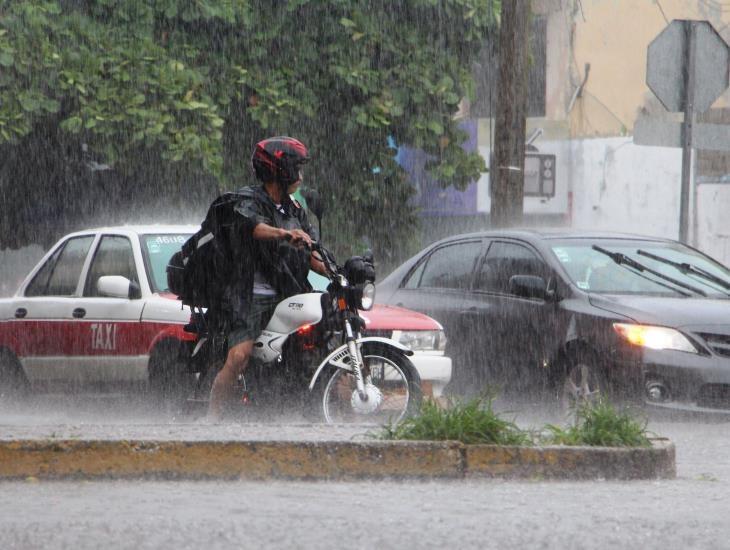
<point x="367" y="300"/>
<point x="421" y="340"/>
<point x="652" y="337"/>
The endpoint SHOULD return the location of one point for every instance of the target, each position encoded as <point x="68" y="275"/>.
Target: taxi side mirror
<point x="116" y="286"/>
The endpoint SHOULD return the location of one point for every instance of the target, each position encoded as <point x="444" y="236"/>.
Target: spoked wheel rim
<point x="583" y="386"/>
<point x="382" y="373"/>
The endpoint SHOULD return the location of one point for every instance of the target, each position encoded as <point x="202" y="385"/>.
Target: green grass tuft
<point x="475" y="422"/>
<point x="472" y="422"/>
<point x="600" y="424"/>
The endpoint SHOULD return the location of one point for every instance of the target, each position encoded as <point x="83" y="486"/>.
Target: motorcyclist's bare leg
<point x="221" y="393"/>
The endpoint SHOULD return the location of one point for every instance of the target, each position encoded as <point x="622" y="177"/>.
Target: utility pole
<point x="508" y="155"/>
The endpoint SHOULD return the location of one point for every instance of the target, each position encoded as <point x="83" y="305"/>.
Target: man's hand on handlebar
<point x="298" y="238"/>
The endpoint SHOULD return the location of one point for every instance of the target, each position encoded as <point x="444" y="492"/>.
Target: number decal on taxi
<point x="103" y="336"/>
<point x="171" y="239"/>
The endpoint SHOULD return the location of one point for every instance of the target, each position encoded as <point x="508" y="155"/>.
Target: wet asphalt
<point x="689" y="512"/>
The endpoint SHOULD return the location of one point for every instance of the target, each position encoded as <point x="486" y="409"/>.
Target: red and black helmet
<point x="279" y="159"/>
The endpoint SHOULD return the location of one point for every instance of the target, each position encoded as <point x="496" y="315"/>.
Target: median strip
<point x="323" y="460"/>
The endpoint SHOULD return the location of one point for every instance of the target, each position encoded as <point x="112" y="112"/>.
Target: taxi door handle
<point x="20" y="313"/>
<point x="79" y="312"/>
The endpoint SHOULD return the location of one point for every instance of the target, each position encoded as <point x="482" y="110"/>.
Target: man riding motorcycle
<point x="274" y="237"/>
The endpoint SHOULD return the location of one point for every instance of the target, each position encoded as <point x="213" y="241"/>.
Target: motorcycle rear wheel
<point x="390" y="379"/>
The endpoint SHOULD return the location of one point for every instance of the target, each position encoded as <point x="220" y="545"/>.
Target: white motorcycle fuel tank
<point x="291" y="314"/>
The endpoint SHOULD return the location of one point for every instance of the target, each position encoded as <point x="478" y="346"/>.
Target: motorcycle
<point x="312" y="355"/>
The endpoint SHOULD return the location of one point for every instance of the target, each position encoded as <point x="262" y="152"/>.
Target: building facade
<point x="587" y="89"/>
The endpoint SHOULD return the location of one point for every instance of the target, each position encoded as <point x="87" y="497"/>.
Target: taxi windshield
<point x="670" y="268"/>
<point x="157" y="250"/>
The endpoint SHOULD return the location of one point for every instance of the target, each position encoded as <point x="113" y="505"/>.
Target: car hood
<point x="674" y="312"/>
<point x="383" y="317"/>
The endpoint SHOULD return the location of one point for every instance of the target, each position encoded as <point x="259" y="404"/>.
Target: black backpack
<point x="199" y="272"/>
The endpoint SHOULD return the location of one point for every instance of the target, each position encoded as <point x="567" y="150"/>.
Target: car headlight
<point x="368" y="297"/>
<point x="653" y="337"/>
<point x="421" y="340"/>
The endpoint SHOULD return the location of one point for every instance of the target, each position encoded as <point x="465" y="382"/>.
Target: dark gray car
<point x="575" y="314"/>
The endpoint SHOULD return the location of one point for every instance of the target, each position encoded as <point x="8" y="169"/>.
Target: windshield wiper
<point x="687" y="268"/>
<point x="623" y="259"/>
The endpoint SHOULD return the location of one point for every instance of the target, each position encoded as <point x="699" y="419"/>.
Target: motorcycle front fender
<point x="336" y="358"/>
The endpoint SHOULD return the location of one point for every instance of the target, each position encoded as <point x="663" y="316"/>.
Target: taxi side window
<point x="448" y="267"/>
<point x="59" y="276"/>
<point x="505" y="260"/>
<point x="114" y="256"/>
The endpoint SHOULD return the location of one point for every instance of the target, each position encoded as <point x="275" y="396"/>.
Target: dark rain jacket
<point x="283" y="265"/>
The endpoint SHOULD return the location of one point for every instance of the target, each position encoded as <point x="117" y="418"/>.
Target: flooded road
<point x="689" y="512"/>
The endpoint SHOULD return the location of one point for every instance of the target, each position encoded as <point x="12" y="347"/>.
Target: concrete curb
<point x="560" y="462"/>
<point x="256" y="460"/>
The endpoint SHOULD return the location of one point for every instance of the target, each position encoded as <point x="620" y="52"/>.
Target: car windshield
<point x="594" y="271"/>
<point x="157" y="250"/>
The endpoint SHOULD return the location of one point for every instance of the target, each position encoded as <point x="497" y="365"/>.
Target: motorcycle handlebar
<point x="326" y="256"/>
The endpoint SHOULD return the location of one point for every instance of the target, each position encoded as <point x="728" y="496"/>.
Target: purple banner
<point x="431" y="197"/>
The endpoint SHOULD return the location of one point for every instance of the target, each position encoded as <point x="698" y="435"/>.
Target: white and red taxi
<point x="95" y="312"/>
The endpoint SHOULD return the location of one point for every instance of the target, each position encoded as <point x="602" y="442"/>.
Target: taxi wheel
<point x="170" y="381"/>
<point x="13" y="383"/>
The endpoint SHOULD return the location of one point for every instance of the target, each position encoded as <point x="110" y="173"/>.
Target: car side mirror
<point x="116" y="286"/>
<point x="528" y="286"/>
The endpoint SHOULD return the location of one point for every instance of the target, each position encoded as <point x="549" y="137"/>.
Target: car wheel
<point x="13" y="383"/>
<point x="583" y="384"/>
<point x="170" y="381"/>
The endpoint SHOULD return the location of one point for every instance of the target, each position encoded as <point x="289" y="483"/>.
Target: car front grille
<point x="718" y="343"/>
<point x="714" y="396"/>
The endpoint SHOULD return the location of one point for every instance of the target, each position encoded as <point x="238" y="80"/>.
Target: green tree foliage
<point x="111" y="106"/>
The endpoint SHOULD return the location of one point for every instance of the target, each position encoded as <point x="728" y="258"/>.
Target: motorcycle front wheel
<point x="392" y="389"/>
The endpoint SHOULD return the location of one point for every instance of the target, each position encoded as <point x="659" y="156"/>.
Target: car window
<point x="157" y="251"/>
<point x="59" y="276"/>
<point x="505" y="259"/>
<point x="415" y="277"/>
<point x="114" y="256"/>
<point x="449" y="266"/>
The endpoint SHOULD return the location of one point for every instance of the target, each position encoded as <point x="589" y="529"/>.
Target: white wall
<point x="619" y="186"/>
<point x="713" y="221"/>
